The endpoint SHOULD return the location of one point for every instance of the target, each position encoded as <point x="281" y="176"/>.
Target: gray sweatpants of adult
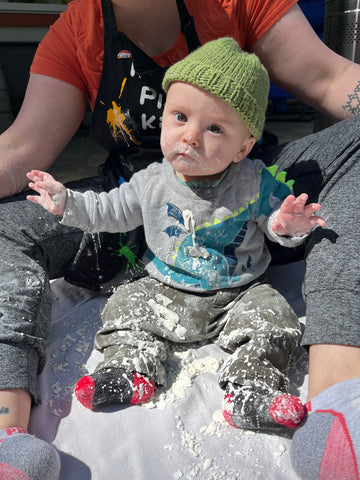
<point x="254" y="323"/>
<point x="34" y="248"/>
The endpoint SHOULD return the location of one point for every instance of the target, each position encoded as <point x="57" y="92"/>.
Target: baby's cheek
<point x="167" y="143"/>
<point x="215" y="160"/>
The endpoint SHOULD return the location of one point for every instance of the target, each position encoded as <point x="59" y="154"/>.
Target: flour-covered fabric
<point x="179" y="435"/>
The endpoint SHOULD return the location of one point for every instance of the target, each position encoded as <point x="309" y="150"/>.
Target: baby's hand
<point x="295" y="218"/>
<point x="52" y="194"/>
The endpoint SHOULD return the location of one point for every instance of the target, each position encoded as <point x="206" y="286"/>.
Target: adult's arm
<point x="50" y="115"/>
<point x="298" y="61"/>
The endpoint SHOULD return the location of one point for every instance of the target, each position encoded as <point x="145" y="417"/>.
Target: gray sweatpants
<point x="255" y="323"/>
<point x="34" y="247"/>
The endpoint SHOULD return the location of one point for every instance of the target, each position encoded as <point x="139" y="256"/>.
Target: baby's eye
<point x="180" y="117"/>
<point x="214" y="129"/>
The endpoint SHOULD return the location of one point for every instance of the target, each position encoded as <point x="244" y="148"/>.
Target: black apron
<point x="126" y="122"/>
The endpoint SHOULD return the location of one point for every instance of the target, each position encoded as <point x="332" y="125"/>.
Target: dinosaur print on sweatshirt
<point x="216" y="254"/>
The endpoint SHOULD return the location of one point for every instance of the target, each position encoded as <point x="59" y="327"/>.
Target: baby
<point x="205" y="209"/>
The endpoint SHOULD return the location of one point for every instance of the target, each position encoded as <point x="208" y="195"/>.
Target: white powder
<point x="194" y="251"/>
<point x="166" y="317"/>
<point x="183" y="380"/>
<point x="280" y="451"/>
<point x="177" y="475"/>
<point x="216" y="426"/>
<point x="188" y="441"/>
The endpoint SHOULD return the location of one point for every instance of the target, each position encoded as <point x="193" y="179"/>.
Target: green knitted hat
<point x="224" y="70"/>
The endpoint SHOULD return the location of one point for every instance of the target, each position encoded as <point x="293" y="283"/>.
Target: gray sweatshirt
<point x="198" y="239"/>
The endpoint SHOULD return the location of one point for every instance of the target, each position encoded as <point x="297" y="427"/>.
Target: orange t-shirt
<point x="72" y="51"/>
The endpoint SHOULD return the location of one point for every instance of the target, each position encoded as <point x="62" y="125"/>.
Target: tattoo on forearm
<point x="353" y="103"/>
<point x="4" y="410"/>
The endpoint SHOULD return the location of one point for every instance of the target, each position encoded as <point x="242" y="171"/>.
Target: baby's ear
<point x="245" y="149"/>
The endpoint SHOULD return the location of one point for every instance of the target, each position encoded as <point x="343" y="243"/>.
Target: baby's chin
<point x="187" y="168"/>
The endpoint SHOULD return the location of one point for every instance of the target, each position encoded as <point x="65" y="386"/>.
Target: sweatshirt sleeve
<point x="116" y="211"/>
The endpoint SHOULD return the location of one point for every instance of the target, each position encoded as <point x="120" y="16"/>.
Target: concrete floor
<point x="82" y="156"/>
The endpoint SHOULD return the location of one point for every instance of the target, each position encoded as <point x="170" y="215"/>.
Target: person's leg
<point x="34" y="247"/>
<point x="327" y="165"/>
<point x="327" y="444"/>
<point x="331" y="364"/>
<point x="262" y="331"/>
<point x="136" y="319"/>
<point x="133" y="356"/>
<point x="15" y="405"/>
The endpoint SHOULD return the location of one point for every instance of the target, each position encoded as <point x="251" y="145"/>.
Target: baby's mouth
<point x="190" y="155"/>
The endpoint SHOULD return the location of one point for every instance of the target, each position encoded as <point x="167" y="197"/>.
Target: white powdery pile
<point x="189" y="369"/>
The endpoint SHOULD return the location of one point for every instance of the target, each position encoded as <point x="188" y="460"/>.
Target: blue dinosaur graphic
<point x="174" y="230"/>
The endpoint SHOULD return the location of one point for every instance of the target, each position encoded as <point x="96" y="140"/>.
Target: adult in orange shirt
<point x="119" y="74"/>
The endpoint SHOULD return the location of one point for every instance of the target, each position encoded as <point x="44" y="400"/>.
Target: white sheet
<point x="181" y="435"/>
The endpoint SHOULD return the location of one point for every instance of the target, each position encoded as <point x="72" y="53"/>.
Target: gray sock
<point x="25" y="457"/>
<point x="327" y="444"/>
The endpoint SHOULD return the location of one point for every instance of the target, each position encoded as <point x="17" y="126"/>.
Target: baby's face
<point x="201" y="134"/>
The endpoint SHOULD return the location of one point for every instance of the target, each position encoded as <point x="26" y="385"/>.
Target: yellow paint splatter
<point x="122" y="86"/>
<point x="116" y="119"/>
